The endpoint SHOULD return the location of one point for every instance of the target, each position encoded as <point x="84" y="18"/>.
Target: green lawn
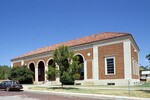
<point x="136" y="91"/>
<point x="145" y="85"/>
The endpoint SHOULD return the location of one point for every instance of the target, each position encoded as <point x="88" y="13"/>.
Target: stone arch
<point x="41" y="70"/>
<point x="31" y="66"/>
<point x="80" y="55"/>
<point x="28" y="65"/>
<point x="50" y="63"/>
<point x="81" y="61"/>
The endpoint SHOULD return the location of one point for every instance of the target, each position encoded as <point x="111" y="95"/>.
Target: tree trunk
<point x="62" y="86"/>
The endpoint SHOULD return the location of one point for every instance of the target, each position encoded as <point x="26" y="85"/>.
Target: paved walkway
<point x="110" y="97"/>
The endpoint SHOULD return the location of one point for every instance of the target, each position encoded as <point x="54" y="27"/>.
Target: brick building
<point x="107" y="58"/>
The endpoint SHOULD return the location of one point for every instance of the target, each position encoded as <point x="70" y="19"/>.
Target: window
<point x="109" y="65"/>
<point x="110" y="83"/>
<point x="134" y="67"/>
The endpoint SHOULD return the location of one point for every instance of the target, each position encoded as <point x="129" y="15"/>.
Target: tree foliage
<point x="69" y="66"/>
<point x="4" y="72"/>
<point x="52" y="72"/>
<point x="21" y="74"/>
<point x="148" y="57"/>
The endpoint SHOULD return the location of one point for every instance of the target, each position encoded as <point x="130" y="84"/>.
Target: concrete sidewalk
<point x="97" y="96"/>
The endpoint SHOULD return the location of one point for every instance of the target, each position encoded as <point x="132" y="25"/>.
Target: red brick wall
<point x="84" y="53"/>
<point x="89" y="69"/>
<point x="16" y="64"/>
<point x="26" y="62"/>
<point x="45" y="59"/>
<point x="114" y="50"/>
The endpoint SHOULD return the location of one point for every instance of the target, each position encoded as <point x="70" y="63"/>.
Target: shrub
<point x="21" y="74"/>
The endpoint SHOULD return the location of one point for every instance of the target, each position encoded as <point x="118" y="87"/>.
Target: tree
<point x="52" y="72"/>
<point x="141" y="68"/>
<point x="21" y="74"/>
<point x="69" y="66"/>
<point x="4" y="72"/>
<point x="148" y="58"/>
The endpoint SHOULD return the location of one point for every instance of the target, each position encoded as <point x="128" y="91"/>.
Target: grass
<point x="108" y="90"/>
<point x="145" y="85"/>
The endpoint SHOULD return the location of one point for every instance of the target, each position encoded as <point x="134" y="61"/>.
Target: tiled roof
<point x="79" y="41"/>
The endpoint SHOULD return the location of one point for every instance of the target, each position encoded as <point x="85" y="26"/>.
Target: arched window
<point x="41" y="71"/>
<point x="32" y="68"/>
<point x="81" y="61"/>
<point x="51" y="64"/>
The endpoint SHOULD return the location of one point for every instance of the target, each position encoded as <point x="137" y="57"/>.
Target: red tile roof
<point x="79" y="41"/>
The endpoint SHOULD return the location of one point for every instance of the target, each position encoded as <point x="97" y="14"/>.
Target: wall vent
<point x="110" y="83"/>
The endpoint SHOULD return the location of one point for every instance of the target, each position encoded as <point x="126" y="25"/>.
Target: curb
<point x="96" y="96"/>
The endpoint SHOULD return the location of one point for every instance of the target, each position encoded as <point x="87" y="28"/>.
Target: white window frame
<point x="106" y="73"/>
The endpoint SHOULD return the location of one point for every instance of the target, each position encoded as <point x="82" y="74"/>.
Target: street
<point x="42" y="95"/>
<point x="28" y="95"/>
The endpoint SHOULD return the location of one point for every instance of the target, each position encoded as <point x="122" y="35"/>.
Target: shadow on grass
<point x="64" y="88"/>
<point x="146" y="91"/>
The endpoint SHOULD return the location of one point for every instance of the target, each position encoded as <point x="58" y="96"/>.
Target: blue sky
<point x="26" y="25"/>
